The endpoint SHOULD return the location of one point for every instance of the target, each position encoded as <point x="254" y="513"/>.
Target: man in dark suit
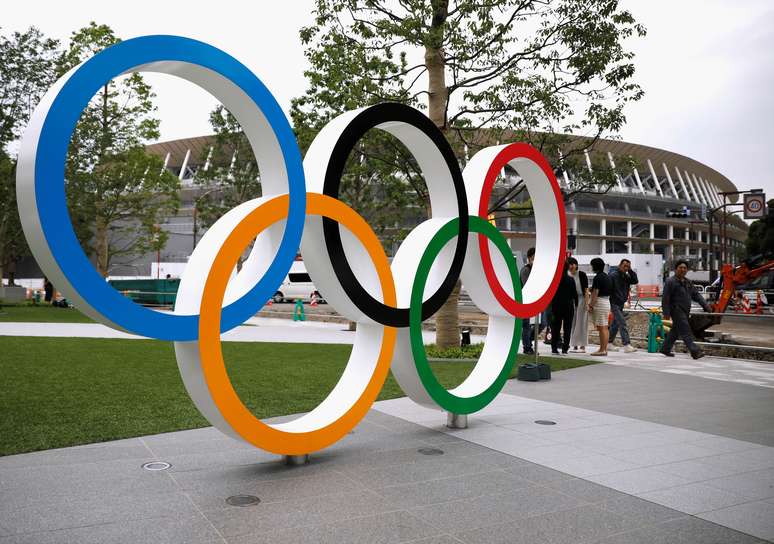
<point x="679" y="291"/>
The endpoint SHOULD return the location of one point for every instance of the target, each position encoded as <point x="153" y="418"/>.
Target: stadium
<point x="659" y="208"/>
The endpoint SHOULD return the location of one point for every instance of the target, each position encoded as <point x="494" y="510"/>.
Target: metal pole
<point x="537" y="333"/>
<point x="713" y="275"/>
<point x="723" y="231"/>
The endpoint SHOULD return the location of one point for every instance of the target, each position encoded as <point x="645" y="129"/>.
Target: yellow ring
<point x="236" y="414"/>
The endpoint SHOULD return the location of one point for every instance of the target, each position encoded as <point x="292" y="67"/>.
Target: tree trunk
<point x="101" y="245"/>
<point x="447" y="321"/>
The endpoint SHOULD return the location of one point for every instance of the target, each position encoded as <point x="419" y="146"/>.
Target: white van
<point x="297" y="285"/>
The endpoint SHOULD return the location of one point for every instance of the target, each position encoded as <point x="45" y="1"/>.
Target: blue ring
<point x="52" y="205"/>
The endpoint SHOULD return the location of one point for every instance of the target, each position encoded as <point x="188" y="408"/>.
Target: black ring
<point x="364" y="121"/>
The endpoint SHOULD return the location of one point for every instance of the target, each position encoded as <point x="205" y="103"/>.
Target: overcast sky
<point x="706" y="66"/>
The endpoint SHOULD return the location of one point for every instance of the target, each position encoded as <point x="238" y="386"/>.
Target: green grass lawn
<point x="57" y="392"/>
<point x="42" y="313"/>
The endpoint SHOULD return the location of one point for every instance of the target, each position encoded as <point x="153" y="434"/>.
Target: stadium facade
<point x="632" y="217"/>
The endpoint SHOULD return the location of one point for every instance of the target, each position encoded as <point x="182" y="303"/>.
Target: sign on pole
<point x="754" y="205"/>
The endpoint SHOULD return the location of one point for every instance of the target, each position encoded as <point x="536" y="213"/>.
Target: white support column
<point x="617" y="177"/>
<point x="696" y="194"/>
<point x="671" y="238"/>
<point x="652" y="236"/>
<point x="166" y="162"/>
<point x="655" y="178"/>
<point x="564" y="170"/>
<point x="639" y="181"/>
<point x="700" y="189"/>
<point x="603" y="233"/>
<point x="671" y="183"/>
<point x="185" y="164"/>
<point x="683" y="186"/>
<point x="209" y="158"/>
<point x="687" y="241"/>
<point x="713" y="193"/>
<point x="629" y="235"/>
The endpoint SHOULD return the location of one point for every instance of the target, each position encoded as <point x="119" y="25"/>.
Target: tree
<point x="117" y="193"/>
<point x="539" y="67"/>
<point x="230" y="174"/>
<point x="27" y="69"/>
<point x="760" y="237"/>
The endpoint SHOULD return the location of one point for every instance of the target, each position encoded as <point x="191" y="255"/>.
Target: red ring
<point x="506" y="155"/>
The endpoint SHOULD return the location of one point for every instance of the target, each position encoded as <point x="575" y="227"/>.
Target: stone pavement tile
<point x="761" y="437"/>
<point x="625" y="443"/>
<point x="578" y="525"/>
<point x="356" y="458"/>
<point x="70" y="512"/>
<point x="314" y="511"/>
<point x="639" y="480"/>
<point x="502" y="460"/>
<point x="686" y="530"/>
<point x="756" y="485"/>
<point x="756" y="459"/>
<point x="176" y="530"/>
<point x="585" y="490"/>
<point x="539" y="474"/>
<point x="91" y="453"/>
<point x="392" y="527"/>
<point x="454" y="488"/>
<point x="639" y="511"/>
<point x="755" y="518"/>
<point x="484" y="511"/>
<point x="553" y="452"/>
<point x="432" y="469"/>
<point x="443" y="539"/>
<point x="700" y="470"/>
<point x="25" y="487"/>
<point x="659" y="455"/>
<point x="694" y="498"/>
<point x="589" y="465"/>
<point x="190" y="435"/>
<point x="217" y="460"/>
<point x="562" y="422"/>
<point x="210" y="493"/>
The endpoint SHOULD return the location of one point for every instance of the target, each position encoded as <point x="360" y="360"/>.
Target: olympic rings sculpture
<point x="300" y="208"/>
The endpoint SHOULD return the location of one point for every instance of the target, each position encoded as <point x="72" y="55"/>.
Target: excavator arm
<point x="733" y="278"/>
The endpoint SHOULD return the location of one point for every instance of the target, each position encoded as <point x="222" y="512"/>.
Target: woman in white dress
<point x="580" y="321"/>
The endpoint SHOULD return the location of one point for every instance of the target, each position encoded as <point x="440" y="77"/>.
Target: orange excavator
<point x="731" y="279"/>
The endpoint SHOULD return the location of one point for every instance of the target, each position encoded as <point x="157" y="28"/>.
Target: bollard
<point x="456" y="421"/>
<point x="298" y="311"/>
<point x="296" y="460"/>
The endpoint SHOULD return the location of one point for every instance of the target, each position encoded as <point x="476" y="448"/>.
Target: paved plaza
<point x="635" y="456"/>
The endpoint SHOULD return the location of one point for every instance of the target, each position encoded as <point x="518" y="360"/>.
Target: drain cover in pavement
<point x="243" y="500"/>
<point x="430" y="451"/>
<point x="156" y="465"/>
<point x="545" y="422"/>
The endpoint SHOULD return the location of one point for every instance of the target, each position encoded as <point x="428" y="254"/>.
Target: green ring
<point x="446" y="400"/>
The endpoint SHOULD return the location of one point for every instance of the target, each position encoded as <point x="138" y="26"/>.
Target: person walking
<point x="622" y="279"/>
<point x="599" y="305"/>
<point x="679" y="291"/>
<point x="527" y="334"/>
<point x="48" y="290"/>
<point x="562" y="309"/>
<point x="579" y="336"/>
